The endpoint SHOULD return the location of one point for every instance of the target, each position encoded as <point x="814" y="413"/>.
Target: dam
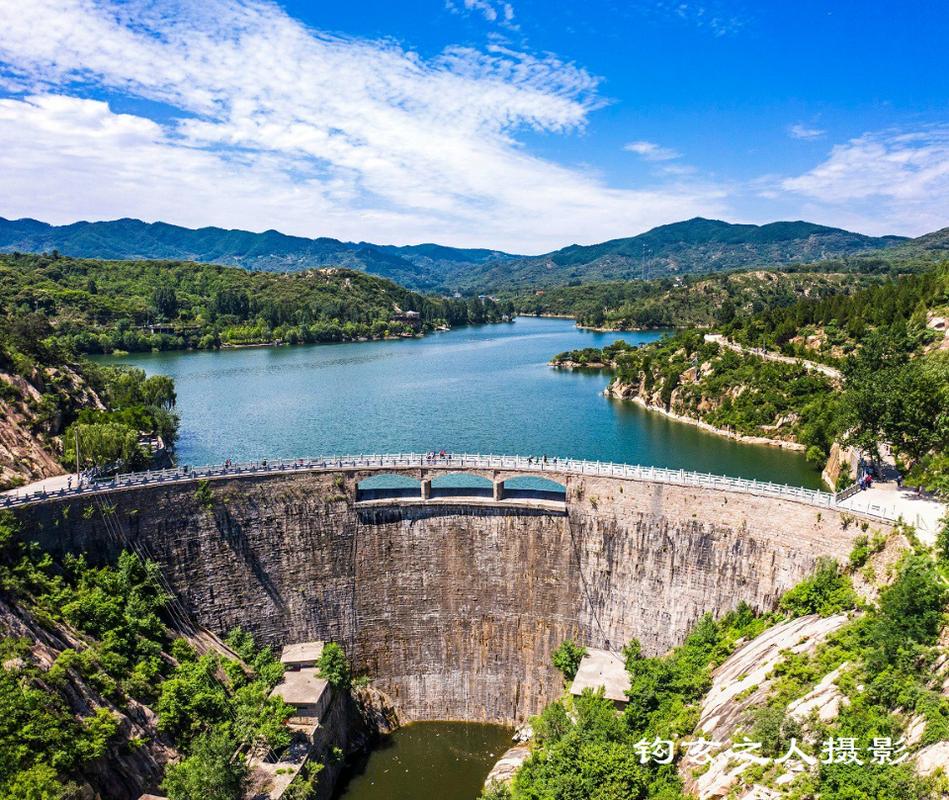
<point x="452" y="601"/>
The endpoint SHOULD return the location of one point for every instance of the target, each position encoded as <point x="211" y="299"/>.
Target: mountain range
<point x="692" y="246"/>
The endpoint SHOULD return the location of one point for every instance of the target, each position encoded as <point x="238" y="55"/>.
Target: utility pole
<point x="78" y="479"/>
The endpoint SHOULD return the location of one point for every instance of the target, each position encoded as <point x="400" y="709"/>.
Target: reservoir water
<point x="443" y="760"/>
<point x="484" y="389"/>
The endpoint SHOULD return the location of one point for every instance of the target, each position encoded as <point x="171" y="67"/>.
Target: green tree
<point x="567" y="658"/>
<point x="165" y="301"/>
<point x="103" y="444"/>
<point x="911" y="612"/>
<point x="826" y="592"/>
<point x="334" y="667"/>
<point x="39" y="782"/>
<point x="211" y="772"/>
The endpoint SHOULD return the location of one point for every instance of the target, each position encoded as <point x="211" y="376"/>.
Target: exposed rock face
<point x="825" y="699"/>
<point x="841" y="461"/>
<point x="29" y="449"/>
<point x="933" y="757"/>
<point x="507" y="765"/>
<point x="652" y="402"/>
<point x="743" y="682"/>
<point x="24" y="456"/>
<point x="454" y="610"/>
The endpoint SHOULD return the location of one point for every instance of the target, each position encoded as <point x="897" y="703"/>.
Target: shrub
<point x="567" y="658"/>
<point x="826" y="592"/>
<point x="211" y="772"/>
<point x="334" y="667"/>
<point x="911" y="612"/>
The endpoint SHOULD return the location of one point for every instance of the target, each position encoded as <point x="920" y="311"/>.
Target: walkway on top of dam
<point x="500" y="467"/>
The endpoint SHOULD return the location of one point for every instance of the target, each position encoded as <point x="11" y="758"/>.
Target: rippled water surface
<point x="443" y="760"/>
<point x="484" y="389"/>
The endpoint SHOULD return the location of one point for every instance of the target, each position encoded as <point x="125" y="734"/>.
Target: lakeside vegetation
<point x="688" y="301"/>
<point x="895" y="388"/>
<point x="889" y="679"/>
<point x="97" y="306"/>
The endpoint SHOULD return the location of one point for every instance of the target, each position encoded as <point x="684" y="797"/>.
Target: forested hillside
<point x="696" y="246"/>
<point x="50" y="398"/>
<point x="888" y="340"/>
<point x="98" y="306"/>
<point x="707" y="299"/>
<point x="422" y="267"/>
<point x="102" y="694"/>
<point x="765" y="706"/>
<point x="693" y="300"/>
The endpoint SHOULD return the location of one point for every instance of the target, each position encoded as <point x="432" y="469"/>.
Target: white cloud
<point x="882" y="182"/>
<point x="799" y="131"/>
<point x="716" y="17"/>
<point x="276" y="125"/>
<point x="652" y="151"/>
<point x="491" y="10"/>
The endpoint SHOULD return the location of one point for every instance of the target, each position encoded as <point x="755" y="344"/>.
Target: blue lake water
<point x="483" y="389"/>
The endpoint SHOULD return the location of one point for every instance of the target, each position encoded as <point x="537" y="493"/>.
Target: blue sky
<point x="519" y="125"/>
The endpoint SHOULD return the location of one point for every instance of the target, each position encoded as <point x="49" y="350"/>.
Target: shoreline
<point x="282" y="343"/>
<point x="598" y="365"/>
<point x="738" y="437"/>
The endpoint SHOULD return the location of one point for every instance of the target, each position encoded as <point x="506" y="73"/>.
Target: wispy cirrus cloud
<point x="492" y="10"/>
<point x="713" y="16"/>
<point x="269" y="123"/>
<point x="801" y="131"/>
<point x="652" y="151"/>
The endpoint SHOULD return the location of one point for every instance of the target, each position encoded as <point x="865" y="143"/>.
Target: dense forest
<point x="707" y="300"/>
<point x="829" y="328"/>
<point x="96" y="306"/>
<point x="886" y="657"/>
<point x="700" y="301"/>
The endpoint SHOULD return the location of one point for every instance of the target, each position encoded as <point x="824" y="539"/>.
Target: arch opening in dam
<point x="461" y="484"/>
<point x="378" y="487"/>
<point x="452" y="607"/>
<point x="529" y="487"/>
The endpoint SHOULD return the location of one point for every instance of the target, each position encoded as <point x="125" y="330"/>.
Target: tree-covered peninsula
<point x="868" y="368"/>
<point x="97" y="306"/>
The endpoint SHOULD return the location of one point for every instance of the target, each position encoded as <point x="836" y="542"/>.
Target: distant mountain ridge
<point x="697" y="245"/>
<point x="693" y="246"/>
<point x="414" y="266"/>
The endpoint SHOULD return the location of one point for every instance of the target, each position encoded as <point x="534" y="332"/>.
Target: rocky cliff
<point x="453" y="609"/>
<point x="31" y="421"/>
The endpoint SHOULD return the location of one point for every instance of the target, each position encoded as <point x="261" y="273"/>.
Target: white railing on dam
<point x="453" y="462"/>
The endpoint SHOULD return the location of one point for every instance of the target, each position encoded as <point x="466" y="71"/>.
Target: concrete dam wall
<point x="453" y="608"/>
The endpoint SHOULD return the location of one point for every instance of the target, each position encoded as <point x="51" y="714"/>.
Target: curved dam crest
<point x="453" y="607"/>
